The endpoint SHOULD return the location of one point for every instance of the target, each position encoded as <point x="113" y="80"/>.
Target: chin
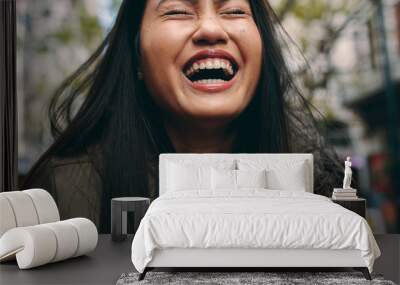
<point x="213" y="115"/>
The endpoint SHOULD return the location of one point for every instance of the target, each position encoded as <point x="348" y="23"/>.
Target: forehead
<point x="193" y="2"/>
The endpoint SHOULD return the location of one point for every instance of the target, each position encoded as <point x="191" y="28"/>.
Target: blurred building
<point x="53" y="39"/>
<point x="342" y="42"/>
<point x="363" y="90"/>
<point x="363" y="85"/>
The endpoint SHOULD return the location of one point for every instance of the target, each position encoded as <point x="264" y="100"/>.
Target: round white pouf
<point x="7" y="218"/>
<point x="23" y="208"/>
<point x="87" y="233"/>
<point x="67" y="239"/>
<point x="40" y="244"/>
<point x="45" y="205"/>
<point x="33" y="246"/>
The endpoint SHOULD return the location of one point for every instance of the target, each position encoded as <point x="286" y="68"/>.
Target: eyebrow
<point x="193" y="2"/>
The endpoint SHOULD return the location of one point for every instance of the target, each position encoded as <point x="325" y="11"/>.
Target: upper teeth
<point x="214" y="63"/>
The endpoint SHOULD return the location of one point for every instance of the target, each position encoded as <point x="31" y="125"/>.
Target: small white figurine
<point x="347" y="173"/>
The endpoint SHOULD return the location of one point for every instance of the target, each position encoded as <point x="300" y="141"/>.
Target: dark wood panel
<point x="8" y="100"/>
<point x="357" y="206"/>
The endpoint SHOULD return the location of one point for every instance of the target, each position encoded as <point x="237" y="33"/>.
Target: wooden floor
<point x="110" y="260"/>
<point x="389" y="262"/>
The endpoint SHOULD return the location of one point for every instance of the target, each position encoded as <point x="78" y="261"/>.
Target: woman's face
<point x="200" y="59"/>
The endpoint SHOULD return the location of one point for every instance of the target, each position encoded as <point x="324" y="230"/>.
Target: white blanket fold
<point x="251" y="218"/>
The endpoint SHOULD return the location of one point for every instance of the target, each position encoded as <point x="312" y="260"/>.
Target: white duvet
<point x="251" y="218"/>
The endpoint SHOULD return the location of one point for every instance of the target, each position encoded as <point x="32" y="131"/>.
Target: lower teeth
<point x="210" y="81"/>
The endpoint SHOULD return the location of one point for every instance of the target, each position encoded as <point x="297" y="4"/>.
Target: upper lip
<point x="210" y="53"/>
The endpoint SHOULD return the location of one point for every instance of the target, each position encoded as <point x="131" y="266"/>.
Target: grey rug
<point x="269" y="278"/>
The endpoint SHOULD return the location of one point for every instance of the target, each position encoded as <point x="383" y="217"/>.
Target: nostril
<point x="210" y="34"/>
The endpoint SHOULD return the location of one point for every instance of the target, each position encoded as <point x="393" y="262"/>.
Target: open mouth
<point x="210" y="70"/>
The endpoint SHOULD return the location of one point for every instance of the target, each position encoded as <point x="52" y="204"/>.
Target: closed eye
<point x="235" y="12"/>
<point x="177" y="12"/>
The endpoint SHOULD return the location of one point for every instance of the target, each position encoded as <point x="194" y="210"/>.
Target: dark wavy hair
<point x="117" y="113"/>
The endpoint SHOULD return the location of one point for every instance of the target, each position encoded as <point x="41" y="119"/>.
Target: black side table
<point x="119" y="209"/>
<point x="357" y="205"/>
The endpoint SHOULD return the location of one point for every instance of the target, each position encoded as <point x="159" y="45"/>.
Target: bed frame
<point x="247" y="259"/>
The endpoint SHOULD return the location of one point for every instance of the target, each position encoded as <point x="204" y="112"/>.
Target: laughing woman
<point x="185" y="76"/>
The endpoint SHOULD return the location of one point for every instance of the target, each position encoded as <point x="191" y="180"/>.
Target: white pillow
<point x="251" y="178"/>
<point x="293" y="179"/>
<point x="281" y="174"/>
<point x="199" y="161"/>
<point x="235" y="179"/>
<point x="223" y="179"/>
<point x="184" y="177"/>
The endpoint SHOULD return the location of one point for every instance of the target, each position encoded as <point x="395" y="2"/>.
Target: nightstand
<point x="357" y="205"/>
<point x="119" y="218"/>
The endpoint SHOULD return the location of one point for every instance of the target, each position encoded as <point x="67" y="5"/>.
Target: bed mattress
<point x="250" y="218"/>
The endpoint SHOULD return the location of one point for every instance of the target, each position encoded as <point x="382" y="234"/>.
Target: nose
<point x="209" y="31"/>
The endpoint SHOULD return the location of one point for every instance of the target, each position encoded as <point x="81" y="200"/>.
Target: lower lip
<point x="212" y="87"/>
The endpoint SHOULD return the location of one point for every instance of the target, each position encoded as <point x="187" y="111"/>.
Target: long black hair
<point x="118" y="114"/>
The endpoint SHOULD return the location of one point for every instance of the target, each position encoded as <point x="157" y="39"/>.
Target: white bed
<point x="200" y="223"/>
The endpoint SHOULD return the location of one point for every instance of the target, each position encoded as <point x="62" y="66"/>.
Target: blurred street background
<point x="352" y="75"/>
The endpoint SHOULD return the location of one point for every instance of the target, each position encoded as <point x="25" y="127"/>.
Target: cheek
<point x="163" y="43"/>
<point x="157" y="50"/>
<point x="160" y="48"/>
<point x="253" y="51"/>
<point x="248" y="40"/>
